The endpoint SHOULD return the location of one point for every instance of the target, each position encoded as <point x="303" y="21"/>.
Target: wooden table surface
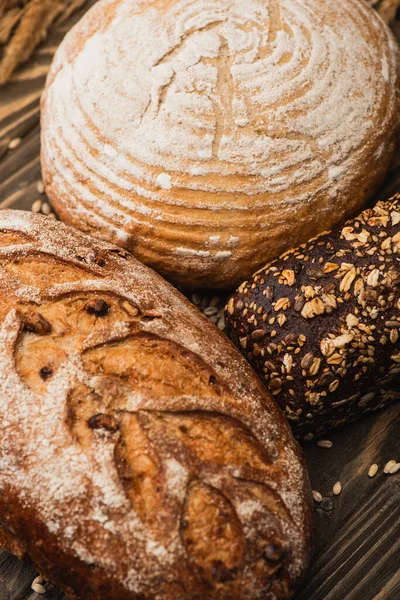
<point x="358" y="532"/>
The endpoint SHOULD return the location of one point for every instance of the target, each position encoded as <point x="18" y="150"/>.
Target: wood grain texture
<point x="358" y="532"/>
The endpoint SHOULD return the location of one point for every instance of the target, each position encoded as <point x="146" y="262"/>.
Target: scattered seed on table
<point x="395" y="469"/>
<point x="204" y="303"/>
<point x="215" y="300"/>
<point x="36" y="206"/>
<point x="210" y="311"/>
<point x="14" y="143"/>
<point x="317" y="496"/>
<point x="38" y="579"/>
<point x="196" y="299"/>
<point x="46" y="208"/>
<point x="325" y="443"/>
<point x="38" y="588"/>
<point x="40" y="187"/>
<point x="373" y="470"/>
<point x="337" y="488"/>
<point x="389" y="465"/>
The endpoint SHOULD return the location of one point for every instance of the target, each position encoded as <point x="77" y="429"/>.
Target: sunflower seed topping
<point x="321" y="324"/>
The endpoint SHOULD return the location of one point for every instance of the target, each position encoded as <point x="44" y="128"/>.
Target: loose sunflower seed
<point x="38" y="588"/>
<point x="14" y="143"/>
<point x="40" y="187"/>
<point x="317" y="496"/>
<point x="337" y="488"/>
<point x="325" y="443"/>
<point x="46" y="208"/>
<point x="389" y="465"/>
<point x="36" y="206"/>
<point x="373" y="470"/>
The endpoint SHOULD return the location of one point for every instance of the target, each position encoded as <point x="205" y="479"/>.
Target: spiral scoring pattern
<point x="208" y="136"/>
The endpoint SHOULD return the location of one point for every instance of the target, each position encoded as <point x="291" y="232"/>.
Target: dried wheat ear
<point x="24" y="24"/>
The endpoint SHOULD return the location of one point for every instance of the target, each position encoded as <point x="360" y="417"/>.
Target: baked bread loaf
<point x="140" y="456"/>
<point x="209" y="137"/>
<point x="321" y="324"/>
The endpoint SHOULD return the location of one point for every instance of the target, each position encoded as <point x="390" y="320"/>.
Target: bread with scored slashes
<point x="140" y="456"/>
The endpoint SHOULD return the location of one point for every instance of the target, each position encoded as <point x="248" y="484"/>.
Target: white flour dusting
<point x="76" y="490"/>
<point x="248" y="106"/>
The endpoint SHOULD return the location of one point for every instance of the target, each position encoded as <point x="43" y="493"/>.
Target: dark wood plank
<point x="19" y="118"/>
<point x="358" y="532"/>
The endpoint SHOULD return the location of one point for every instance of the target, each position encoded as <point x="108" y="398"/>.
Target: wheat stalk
<point x="25" y="23"/>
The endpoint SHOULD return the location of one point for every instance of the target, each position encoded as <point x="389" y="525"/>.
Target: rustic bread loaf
<point x="208" y="137"/>
<point x="321" y="324"/>
<point x="140" y="456"/>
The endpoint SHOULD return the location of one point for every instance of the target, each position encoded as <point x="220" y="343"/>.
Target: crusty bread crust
<point x="321" y="325"/>
<point x="209" y="137"/>
<point x="140" y="456"/>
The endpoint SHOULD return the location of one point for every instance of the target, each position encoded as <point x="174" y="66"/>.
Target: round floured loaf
<point x="140" y="457"/>
<point x="208" y="137"/>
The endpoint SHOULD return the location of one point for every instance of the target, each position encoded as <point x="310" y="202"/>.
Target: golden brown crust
<point x="321" y="324"/>
<point x="140" y="456"/>
<point x="9" y="543"/>
<point x="245" y="129"/>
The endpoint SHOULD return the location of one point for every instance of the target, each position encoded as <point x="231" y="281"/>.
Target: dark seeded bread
<point x="320" y="325"/>
<point x="140" y="457"/>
